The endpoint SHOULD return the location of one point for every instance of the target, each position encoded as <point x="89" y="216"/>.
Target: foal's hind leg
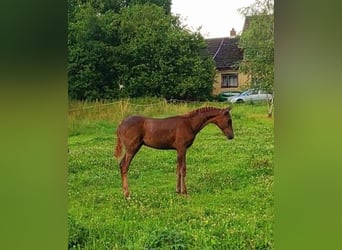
<point x="124" y="169"/>
<point x="124" y="166"/>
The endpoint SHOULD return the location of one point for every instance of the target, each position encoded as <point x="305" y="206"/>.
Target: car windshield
<point x="247" y="92"/>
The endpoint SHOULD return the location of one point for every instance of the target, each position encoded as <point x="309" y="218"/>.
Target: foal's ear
<point x="227" y="110"/>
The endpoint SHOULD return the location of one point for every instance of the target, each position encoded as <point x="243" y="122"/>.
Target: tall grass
<point x="230" y="183"/>
<point x="83" y="113"/>
<point x="117" y="110"/>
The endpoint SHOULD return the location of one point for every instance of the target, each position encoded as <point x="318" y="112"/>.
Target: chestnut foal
<point x="176" y="132"/>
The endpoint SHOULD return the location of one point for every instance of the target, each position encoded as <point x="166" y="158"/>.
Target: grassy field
<point x="230" y="183"/>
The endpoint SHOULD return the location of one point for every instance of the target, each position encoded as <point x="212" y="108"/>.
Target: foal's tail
<point x="118" y="148"/>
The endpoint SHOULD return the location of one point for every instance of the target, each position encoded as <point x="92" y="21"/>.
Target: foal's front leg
<point x="181" y="172"/>
<point x="178" y="188"/>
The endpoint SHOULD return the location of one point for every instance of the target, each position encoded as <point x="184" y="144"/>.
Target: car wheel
<point x="239" y="101"/>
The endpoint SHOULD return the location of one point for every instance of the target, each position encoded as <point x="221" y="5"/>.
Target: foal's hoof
<point x="182" y="193"/>
<point x="127" y="196"/>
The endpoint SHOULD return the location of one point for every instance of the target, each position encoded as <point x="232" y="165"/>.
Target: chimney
<point x="232" y="33"/>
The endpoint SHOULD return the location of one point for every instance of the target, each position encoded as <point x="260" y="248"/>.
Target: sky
<point x="217" y="17"/>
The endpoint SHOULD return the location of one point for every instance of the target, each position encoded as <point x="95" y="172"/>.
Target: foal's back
<point x="153" y="132"/>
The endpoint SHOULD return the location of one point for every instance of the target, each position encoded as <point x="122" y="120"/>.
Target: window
<point x="229" y="81"/>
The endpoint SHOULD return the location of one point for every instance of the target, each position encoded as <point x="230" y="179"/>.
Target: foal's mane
<point x="202" y="110"/>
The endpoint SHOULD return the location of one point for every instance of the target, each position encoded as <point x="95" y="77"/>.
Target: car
<point x="251" y="95"/>
<point x="223" y="96"/>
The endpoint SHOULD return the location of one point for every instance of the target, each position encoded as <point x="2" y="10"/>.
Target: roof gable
<point x="225" y="52"/>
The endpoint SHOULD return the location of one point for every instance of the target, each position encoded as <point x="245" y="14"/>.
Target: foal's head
<point x="224" y="122"/>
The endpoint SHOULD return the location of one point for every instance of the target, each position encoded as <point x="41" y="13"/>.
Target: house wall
<point x="242" y="81"/>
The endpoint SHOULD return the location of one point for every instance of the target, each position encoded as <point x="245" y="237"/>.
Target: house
<point x="227" y="56"/>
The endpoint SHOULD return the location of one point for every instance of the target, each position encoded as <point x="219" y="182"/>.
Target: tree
<point x="161" y="58"/>
<point x="141" y="48"/>
<point x="257" y="41"/>
<point x="91" y="59"/>
<point x="165" y="4"/>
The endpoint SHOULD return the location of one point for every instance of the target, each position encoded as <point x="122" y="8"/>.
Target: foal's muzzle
<point x="230" y="137"/>
<point x="230" y="134"/>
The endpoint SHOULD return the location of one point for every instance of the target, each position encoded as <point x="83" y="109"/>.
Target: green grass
<point x="230" y="183"/>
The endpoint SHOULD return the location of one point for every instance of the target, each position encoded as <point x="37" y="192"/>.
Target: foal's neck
<point x="201" y="119"/>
